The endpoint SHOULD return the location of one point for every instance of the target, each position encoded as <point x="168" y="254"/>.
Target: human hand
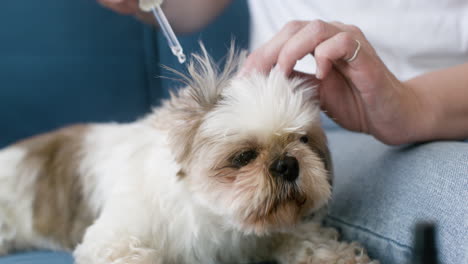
<point x="361" y="95"/>
<point x="128" y="7"/>
<point x="185" y="16"/>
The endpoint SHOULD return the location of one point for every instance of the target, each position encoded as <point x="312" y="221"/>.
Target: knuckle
<point x="321" y="58"/>
<point x="345" y="39"/>
<point x="321" y="53"/>
<point x="293" y="25"/>
<point x="354" y="29"/>
<point x="318" y="26"/>
<point x="336" y="22"/>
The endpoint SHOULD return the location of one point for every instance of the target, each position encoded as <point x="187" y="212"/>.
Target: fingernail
<point x="318" y="74"/>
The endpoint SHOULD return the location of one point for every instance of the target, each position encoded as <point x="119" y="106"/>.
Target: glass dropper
<point x="166" y="28"/>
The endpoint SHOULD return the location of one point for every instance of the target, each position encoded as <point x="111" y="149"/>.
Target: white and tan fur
<point x="164" y="188"/>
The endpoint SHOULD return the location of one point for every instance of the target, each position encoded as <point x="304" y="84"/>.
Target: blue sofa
<point x="65" y="62"/>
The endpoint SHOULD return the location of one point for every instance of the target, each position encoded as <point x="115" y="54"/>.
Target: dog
<point x="230" y="169"/>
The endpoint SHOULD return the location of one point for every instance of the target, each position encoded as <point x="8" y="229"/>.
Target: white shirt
<point x="411" y="36"/>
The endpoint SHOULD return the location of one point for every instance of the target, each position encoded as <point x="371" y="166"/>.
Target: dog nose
<point x="286" y="167"/>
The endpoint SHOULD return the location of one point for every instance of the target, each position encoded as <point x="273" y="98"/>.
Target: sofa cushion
<point x="66" y="62"/>
<point x="38" y="257"/>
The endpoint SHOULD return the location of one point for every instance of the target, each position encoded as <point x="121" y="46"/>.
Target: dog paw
<point x="7" y="234"/>
<point x="342" y="253"/>
<point x="129" y="251"/>
<point x="4" y="248"/>
<point x="330" y="252"/>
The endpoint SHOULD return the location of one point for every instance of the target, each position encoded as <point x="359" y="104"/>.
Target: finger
<point x="116" y="7"/>
<point x="126" y="7"/>
<point x="304" y="42"/>
<point x="339" y="100"/>
<point x="110" y="2"/>
<point x="356" y="31"/>
<point x="339" y="25"/>
<point x="310" y="80"/>
<point x="264" y="58"/>
<point x="358" y="34"/>
<point x="303" y="75"/>
<point x="340" y="47"/>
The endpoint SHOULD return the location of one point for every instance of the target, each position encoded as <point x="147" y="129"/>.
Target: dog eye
<point x="304" y="139"/>
<point x="244" y="158"/>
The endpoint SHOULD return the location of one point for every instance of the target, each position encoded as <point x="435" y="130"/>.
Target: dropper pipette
<point x="172" y="41"/>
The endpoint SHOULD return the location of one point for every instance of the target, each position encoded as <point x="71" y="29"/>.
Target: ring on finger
<point x="358" y="48"/>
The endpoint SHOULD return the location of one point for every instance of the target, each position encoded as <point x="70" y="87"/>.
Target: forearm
<point x="184" y="15"/>
<point x="191" y="15"/>
<point x="444" y="94"/>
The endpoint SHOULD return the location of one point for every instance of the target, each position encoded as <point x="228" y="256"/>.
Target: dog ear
<point x="319" y="144"/>
<point x="205" y="83"/>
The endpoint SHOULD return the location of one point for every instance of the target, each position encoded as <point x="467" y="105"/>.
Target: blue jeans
<point x="380" y="193"/>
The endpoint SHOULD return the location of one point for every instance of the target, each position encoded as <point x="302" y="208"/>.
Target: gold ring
<point x="358" y="48"/>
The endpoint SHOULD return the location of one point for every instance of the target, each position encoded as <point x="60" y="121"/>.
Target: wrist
<point x="423" y="113"/>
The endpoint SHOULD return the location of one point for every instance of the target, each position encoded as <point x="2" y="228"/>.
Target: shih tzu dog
<point x="231" y="169"/>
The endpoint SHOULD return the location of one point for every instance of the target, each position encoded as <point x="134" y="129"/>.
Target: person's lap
<point x="380" y="192"/>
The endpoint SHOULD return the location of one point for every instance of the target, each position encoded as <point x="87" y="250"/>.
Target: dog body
<point x="230" y="170"/>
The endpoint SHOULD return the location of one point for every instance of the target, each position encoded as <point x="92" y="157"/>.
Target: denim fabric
<point x="381" y="192"/>
<point x="328" y="123"/>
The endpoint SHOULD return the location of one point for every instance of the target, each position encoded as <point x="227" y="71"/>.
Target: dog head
<point x="251" y="148"/>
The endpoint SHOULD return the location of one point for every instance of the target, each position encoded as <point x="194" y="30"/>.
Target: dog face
<point x="251" y="148"/>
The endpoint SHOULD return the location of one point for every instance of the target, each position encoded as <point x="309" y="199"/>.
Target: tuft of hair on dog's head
<point x="251" y="148"/>
<point x="204" y="83"/>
